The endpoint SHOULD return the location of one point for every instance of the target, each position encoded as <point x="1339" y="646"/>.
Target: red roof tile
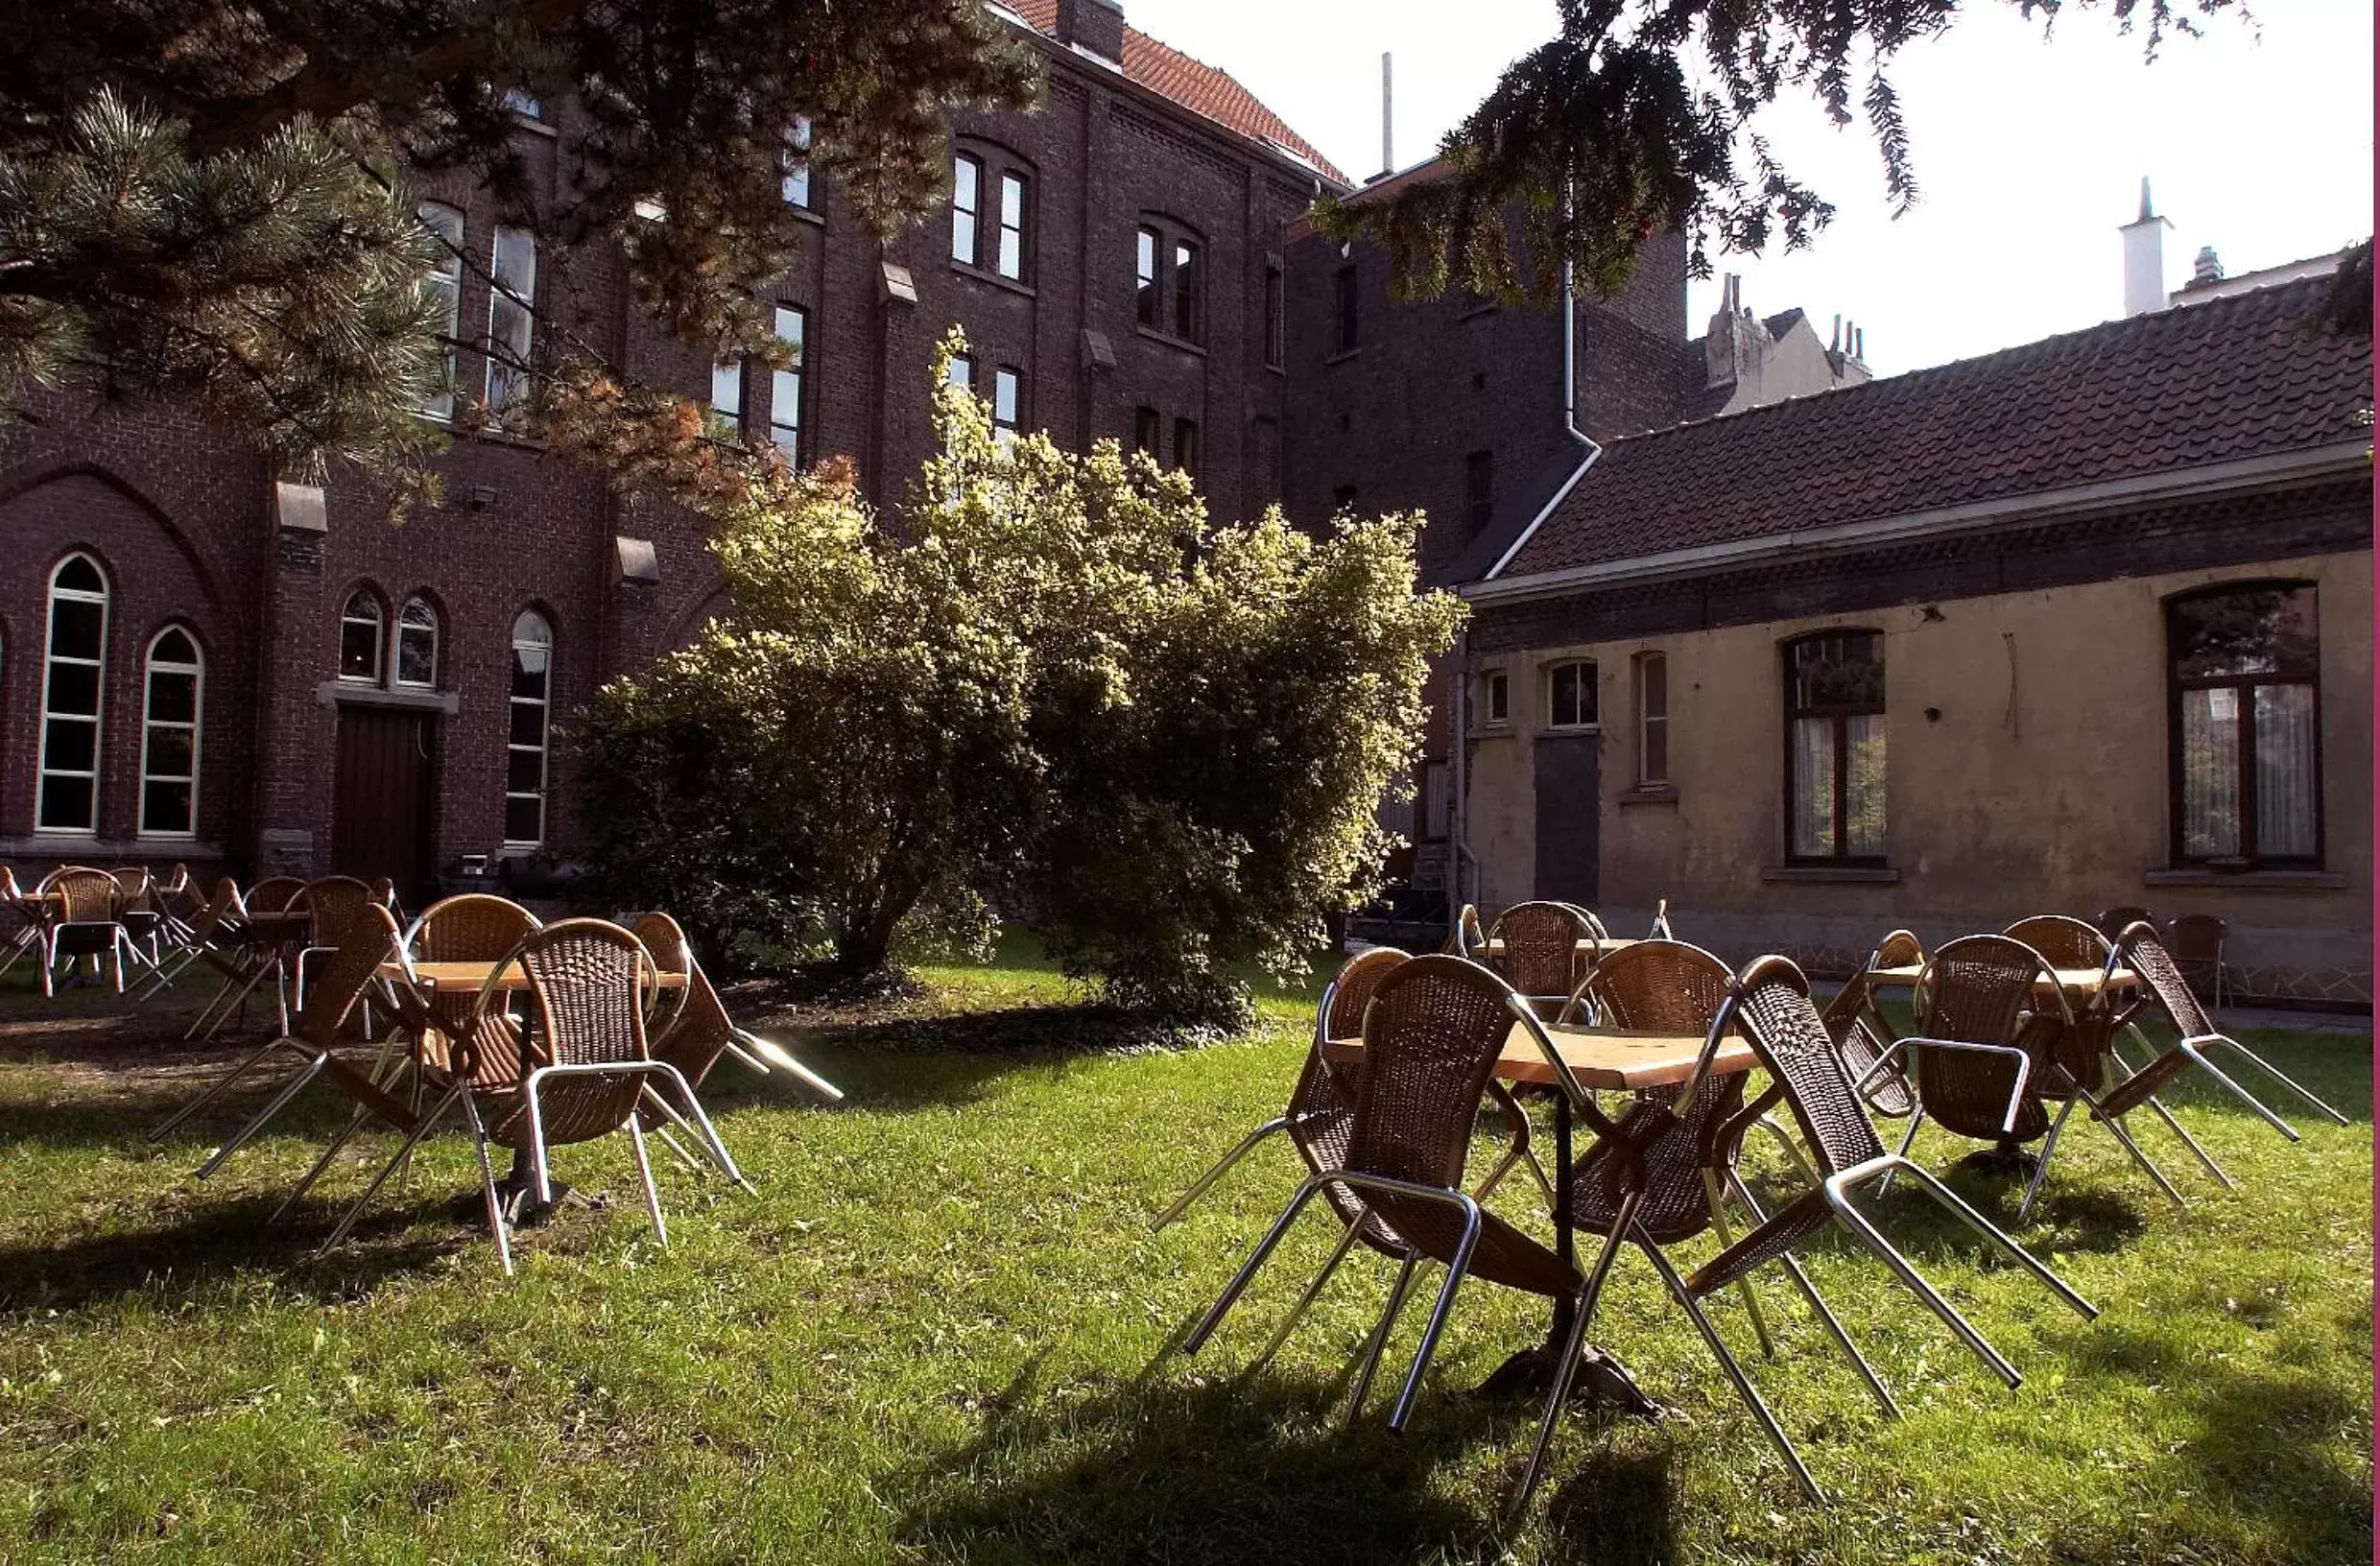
<point x="2251" y="376"/>
<point x="1200" y="88"/>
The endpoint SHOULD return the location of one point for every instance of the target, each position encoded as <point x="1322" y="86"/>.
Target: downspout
<point x="1459" y="776"/>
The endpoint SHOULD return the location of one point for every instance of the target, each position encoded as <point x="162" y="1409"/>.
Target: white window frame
<point x="1008" y="401"/>
<point x="96" y="717"/>
<point x="794" y="184"/>
<point x="532" y="632"/>
<point x="728" y="389"/>
<point x="1647" y="718"/>
<point x="1009" y="259"/>
<point x="396" y="645"/>
<point x="380" y="637"/>
<point x="150" y="723"/>
<point x="966" y="215"/>
<point x="785" y="384"/>
<point x="512" y="285"/>
<point x="1590" y="677"/>
<point x="444" y="225"/>
<point x="1500" y="682"/>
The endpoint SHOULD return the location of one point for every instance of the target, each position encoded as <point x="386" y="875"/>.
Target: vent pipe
<point x="1387" y="123"/>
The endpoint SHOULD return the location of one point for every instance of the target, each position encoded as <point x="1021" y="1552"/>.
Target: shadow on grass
<point x="2261" y="1467"/>
<point x="214" y="1241"/>
<point x="1262" y="1469"/>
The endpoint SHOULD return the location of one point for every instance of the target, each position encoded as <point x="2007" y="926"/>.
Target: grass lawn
<point x="929" y="1338"/>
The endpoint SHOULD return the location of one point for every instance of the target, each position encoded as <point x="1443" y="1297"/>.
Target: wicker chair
<point x="1769" y="1005"/>
<point x="2166" y="989"/>
<point x="2195" y="941"/>
<point x="1974" y="1053"/>
<point x="1432" y="1033"/>
<point x="18" y="905"/>
<point x="1862" y="1036"/>
<point x="272" y="894"/>
<point x="330" y="904"/>
<point x="369" y="940"/>
<point x="2067" y="942"/>
<point x="83" y="921"/>
<point x="1540" y="956"/>
<point x="141" y="910"/>
<point x="1468" y="938"/>
<point x="2114" y="921"/>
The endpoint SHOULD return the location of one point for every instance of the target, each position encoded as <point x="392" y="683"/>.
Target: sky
<point x="2257" y="139"/>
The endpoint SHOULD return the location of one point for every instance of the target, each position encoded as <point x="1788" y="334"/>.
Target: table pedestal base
<point x="517" y="1195"/>
<point x="2007" y="1159"/>
<point x="1600" y="1379"/>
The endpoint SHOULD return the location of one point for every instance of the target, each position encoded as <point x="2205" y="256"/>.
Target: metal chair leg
<point x="1207" y="1180"/>
<point x="1430" y="1335"/>
<point x="1735" y="1374"/>
<point x="421" y="1128"/>
<point x="487" y="1181"/>
<point x="346" y="1133"/>
<point x="2142" y="1159"/>
<point x="712" y="1142"/>
<point x="1990" y="1232"/>
<point x="2041" y="1165"/>
<point x="1909" y="1140"/>
<point x="1868" y="1235"/>
<point x="2284" y="1079"/>
<point x="1567" y="1373"/>
<point x="165" y="1128"/>
<point x="2192" y="1143"/>
<point x="1716" y="1199"/>
<point x="1256" y="1258"/>
<point x="1826" y="1319"/>
<point x="1378" y="1344"/>
<point x="239" y="1139"/>
<point x="1306" y="1301"/>
<point x="644" y="1172"/>
<point x="678" y="1148"/>
<point x="2255" y="1104"/>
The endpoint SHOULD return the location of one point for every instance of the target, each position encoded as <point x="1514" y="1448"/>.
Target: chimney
<point x="2144" y="258"/>
<point x="1096" y="27"/>
<point x="1387" y="123"/>
<point x="2208" y="269"/>
<point x="1722" y="350"/>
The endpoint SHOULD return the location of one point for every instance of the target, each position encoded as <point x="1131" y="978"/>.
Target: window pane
<point x="528" y="722"/>
<point x="170" y="750"/>
<point x="165" y="807"/>
<point x="73" y="746"/>
<point x="76" y="628"/>
<point x="173" y="698"/>
<point x="524" y="820"/>
<point x="1145" y="301"/>
<point x="509" y="322"/>
<point x="785" y="384"/>
<point x="727" y="389"/>
<point x="74" y="688"/>
<point x="1813" y="807"/>
<point x="359" y="649"/>
<point x="1186" y="285"/>
<point x="66" y="801"/>
<point x="963" y="371"/>
<point x="1273" y="319"/>
<point x="1499" y="692"/>
<point x="1655" y="695"/>
<point x="2255" y="630"/>
<point x="1004" y="384"/>
<point x="1145" y="430"/>
<point x="174" y="647"/>
<point x="79" y="575"/>
<point x="1842" y="672"/>
<point x="1863" y="786"/>
<point x="966" y="197"/>
<point x="2210" y="774"/>
<point x="2287" y="784"/>
<point x="524" y="771"/>
<point x="1654" y="762"/>
<point x="1012" y="225"/>
<point x="416" y="655"/>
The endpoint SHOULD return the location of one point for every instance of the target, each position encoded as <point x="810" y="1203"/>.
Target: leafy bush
<point x="1057" y="687"/>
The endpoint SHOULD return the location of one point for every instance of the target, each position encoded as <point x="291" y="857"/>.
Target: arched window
<point x="417" y="645"/>
<point x="360" y="628"/>
<point x="73" y="682"/>
<point x="2246" y="672"/>
<point x="1834" y="747"/>
<point x="169" y="748"/>
<point x="1572" y="696"/>
<point x="524" y="777"/>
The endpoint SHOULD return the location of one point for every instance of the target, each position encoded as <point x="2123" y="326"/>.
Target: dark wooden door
<point x="1569" y="818"/>
<point x="380" y="812"/>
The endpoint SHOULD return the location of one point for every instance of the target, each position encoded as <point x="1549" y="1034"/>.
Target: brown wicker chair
<point x="1978" y="1040"/>
<point x="18" y="905"/>
<point x="331" y="904"/>
<point x="2067" y="942"/>
<point x="2195" y="941"/>
<point x="1769" y="1006"/>
<point x="272" y="894"/>
<point x="369" y="940"/>
<point x="2167" y="989"/>
<point x="1432" y="1035"/>
<point x="1858" y="1027"/>
<point x="83" y="921"/>
<point x="1540" y="956"/>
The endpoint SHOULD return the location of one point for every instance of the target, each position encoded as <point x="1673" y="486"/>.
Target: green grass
<point x="929" y="1338"/>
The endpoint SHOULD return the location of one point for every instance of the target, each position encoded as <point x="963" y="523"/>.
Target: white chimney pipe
<point x="2144" y="258"/>
<point x="1388" y="138"/>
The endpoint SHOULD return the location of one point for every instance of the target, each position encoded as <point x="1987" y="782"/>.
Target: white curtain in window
<point x="1814" y="788"/>
<point x="2210" y="774"/>
<point x="2286" y="778"/>
<point x="1863" y="786"/>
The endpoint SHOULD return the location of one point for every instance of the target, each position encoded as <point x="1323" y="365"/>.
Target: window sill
<point x="333" y="693"/>
<point x="2193" y="875"/>
<point x="530" y="122"/>
<point x="1342" y="355"/>
<point x="45" y="844"/>
<point x="1830" y="875"/>
<point x="984" y="274"/>
<point x="1650" y="793"/>
<point x="807" y="214"/>
<point x="1180" y="344"/>
<point x="1569" y="730"/>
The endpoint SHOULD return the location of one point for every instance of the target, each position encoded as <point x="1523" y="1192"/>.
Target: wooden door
<point x="380" y="809"/>
<point x="1569" y="824"/>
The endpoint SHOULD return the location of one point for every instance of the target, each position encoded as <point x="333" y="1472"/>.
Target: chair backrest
<point x="1469" y="936"/>
<point x="86" y="896"/>
<point x="471" y="927"/>
<point x="1540" y="946"/>
<point x="1977" y="989"/>
<point x="698" y="1031"/>
<point x="273" y="893"/>
<point x="2067" y="942"/>
<point x="2195" y="942"/>
<point x="331" y="904"/>
<point x="666" y="939"/>
<point x="2112" y="922"/>
<point x="215" y="911"/>
<point x="1770" y="1004"/>
<point x="1432" y="1035"/>
<point x="1323" y="1087"/>
<point x="590" y="981"/>
<point x="367" y="939"/>
<point x="1659" y="986"/>
<point x="2139" y="949"/>
<point x="136" y="889"/>
<point x="1983" y="989"/>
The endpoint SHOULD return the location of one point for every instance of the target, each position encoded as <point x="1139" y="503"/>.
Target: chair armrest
<point x="2022" y="1057"/>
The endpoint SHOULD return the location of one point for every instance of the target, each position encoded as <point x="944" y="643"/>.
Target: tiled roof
<point x="1200" y="87"/>
<point x="2253" y="376"/>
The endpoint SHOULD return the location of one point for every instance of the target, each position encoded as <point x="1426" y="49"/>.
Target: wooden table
<point x="2086" y="982"/>
<point x="1621" y="1058"/>
<point x="1598" y="949"/>
<point x="469" y="977"/>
